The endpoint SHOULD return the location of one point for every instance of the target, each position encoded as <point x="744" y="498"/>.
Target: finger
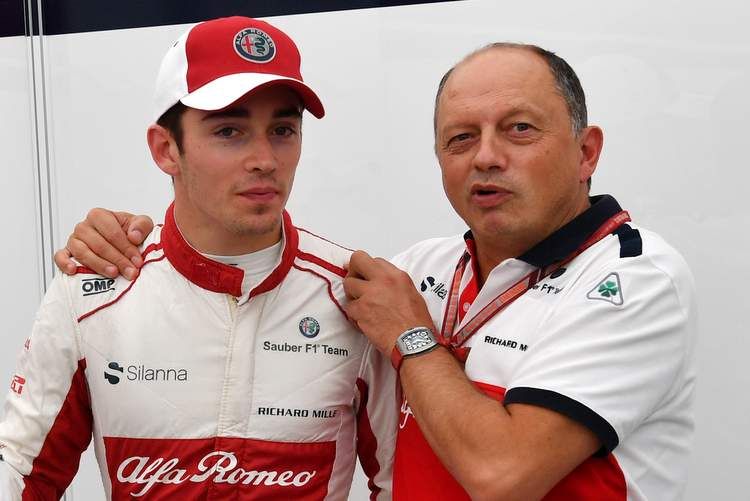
<point x="352" y="310"/>
<point x="64" y="262"/>
<point x="383" y="265"/>
<point x="360" y="263"/>
<point x="89" y="259"/>
<point x="92" y="250"/>
<point x="354" y="287"/>
<point x="137" y="227"/>
<point x="107" y="225"/>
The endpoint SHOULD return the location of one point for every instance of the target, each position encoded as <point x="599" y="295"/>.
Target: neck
<point x="489" y="256"/>
<point x="493" y="250"/>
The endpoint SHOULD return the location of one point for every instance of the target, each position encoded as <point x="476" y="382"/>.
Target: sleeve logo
<point x="608" y="289"/>
<point x="16" y="386"/>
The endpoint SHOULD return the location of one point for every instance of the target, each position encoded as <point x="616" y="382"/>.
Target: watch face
<point x="417" y="340"/>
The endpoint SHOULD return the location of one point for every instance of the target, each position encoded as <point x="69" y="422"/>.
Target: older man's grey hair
<point x="566" y="82"/>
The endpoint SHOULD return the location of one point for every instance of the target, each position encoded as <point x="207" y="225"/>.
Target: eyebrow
<point x="227" y="113"/>
<point x="512" y="112"/>
<point x="292" y="111"/>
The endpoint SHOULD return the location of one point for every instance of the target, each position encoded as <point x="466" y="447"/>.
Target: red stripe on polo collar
<point x="219" y="277"/>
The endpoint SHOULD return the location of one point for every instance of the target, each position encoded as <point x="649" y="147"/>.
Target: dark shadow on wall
<point x="75" y="16"/>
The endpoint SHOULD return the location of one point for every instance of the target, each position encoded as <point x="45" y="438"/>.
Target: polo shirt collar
<point x="571" y="236"/>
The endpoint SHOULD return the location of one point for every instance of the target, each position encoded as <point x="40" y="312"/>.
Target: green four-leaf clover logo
<point x="608" y="289"/>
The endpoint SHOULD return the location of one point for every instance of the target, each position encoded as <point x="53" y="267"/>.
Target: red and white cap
<point x="217" y="62"/>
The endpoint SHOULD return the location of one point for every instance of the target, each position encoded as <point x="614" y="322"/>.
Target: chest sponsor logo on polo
<point x="547" y="289"/>
<point x="506" y="343"/>
<point x="307" y="348"/>
<point x="439" y="288"/>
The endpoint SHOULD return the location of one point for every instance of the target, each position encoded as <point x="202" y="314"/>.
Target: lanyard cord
<point x="506" y="298"/>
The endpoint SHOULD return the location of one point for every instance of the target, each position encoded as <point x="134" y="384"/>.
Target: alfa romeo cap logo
<point x="254" y="45"/>
<point x="309" y="327"/>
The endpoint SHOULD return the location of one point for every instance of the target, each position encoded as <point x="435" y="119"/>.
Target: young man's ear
<point x="164" y="149"/>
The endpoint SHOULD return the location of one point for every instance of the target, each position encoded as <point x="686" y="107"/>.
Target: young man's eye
<point x="283" y="130"/>
<point x="226" y="132"/>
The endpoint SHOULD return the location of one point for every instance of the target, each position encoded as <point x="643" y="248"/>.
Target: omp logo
<point x="113" y="378"/>
<point x="91" y="286"/>
<point x="114" y="372"/>
<point x="439" y="289"/>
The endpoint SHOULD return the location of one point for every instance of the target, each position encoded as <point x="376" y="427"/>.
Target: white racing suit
<point x="194" y="389"/>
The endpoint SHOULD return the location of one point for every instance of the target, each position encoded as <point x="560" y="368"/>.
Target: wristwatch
<point x="413" y="342"/>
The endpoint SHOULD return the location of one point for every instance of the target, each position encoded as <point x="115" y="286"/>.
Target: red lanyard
<point x="502" y="301"/>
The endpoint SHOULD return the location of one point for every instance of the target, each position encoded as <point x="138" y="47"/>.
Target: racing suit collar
<point x="218" y="277"/>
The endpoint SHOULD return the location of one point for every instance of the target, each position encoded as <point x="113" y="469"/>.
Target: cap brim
<point x="223" y="91"/>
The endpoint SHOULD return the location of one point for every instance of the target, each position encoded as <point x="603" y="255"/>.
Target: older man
<point x="580" y="324"/>
<point x="559" y="365"/>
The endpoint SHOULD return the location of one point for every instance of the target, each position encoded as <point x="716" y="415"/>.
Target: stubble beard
<point x="260" y="222"/>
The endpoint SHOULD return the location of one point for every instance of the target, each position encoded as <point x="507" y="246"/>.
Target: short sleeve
<point x="613" y="350"/>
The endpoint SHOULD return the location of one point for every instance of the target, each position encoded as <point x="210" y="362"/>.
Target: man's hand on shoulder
<point x="106" y="242"/>
<point x="382" y="300"/>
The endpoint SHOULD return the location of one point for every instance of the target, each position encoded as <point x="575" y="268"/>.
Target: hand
<point x="106" y="242"/>
<point x="382" y="301"/>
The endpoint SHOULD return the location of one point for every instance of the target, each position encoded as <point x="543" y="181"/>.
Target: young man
<point x="560" y="364"/>
<point x="228" y="368"/>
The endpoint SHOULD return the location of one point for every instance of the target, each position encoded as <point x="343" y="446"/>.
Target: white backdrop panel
<point x="21" y="234"/>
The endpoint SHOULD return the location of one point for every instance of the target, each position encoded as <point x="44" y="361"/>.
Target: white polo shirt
<point x="607" y="341"/>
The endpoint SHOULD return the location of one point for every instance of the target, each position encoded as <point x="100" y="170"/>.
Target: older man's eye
<point x="459" y="137"/>
<point x="521" y="127"/>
